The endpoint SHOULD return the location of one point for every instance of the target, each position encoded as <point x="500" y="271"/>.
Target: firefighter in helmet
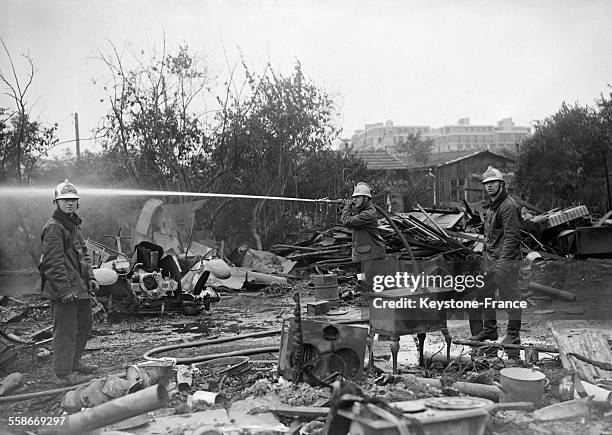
<point x="68" y="282"/>
<point x="501" y="261"/>
<point x="360" y="216"/>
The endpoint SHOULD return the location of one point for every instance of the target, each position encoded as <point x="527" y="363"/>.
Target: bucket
<point x="156" y="372"/>
<point x="521" y="385"/>
<point x="325" y="287"/>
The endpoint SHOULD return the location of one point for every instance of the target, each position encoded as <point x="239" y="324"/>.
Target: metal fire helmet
<point x="492" y="174"/>
<point x="65" y="190"/>
<point x="362" y="189"/>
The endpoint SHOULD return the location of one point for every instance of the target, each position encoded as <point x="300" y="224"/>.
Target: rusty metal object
<point x="184" y="377"/>
<point x="561" y="294"/>
<point x="328" y="350"/>
<point x="298" y="349"/>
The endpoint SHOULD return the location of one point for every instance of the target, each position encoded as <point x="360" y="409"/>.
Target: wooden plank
<point x="294" y="411"/>
<point x="603" y="219"/>
<point x="585" y="371"/>
<point x="599" y="350"/>
<point x="592" y="344"/>
<point x="563" y="345"/>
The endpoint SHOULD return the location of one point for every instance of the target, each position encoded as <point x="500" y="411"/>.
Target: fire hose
<point x="201" y="358"/>
<point x="157" y="350"/>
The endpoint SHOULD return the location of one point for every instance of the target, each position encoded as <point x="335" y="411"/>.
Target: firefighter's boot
<point x="488" y="332"/>
<point x="475" y="327"/>
<point x="513" y="333"/>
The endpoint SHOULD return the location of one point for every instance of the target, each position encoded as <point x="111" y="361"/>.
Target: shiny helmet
<point x="65" y="190"/>
<point x="492" y="174"/>
<point x="362" y="189"/>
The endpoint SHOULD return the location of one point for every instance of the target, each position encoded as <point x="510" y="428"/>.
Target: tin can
<point x="566" y="388"/>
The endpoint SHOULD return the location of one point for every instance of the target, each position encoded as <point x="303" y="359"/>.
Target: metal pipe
<point x="118" y="409"/>
<point x="561" y="294"/>
<point x="543" y="349"/>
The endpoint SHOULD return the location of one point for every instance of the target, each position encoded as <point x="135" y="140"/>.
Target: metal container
<point x="593" y="240"/>
<point x="432" y="421"/>
<point x="156" y="372"/>
<point x="325" y="287"/>
<point x="521" y="385"/>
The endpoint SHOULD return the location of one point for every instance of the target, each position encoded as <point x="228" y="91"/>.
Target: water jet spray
<point x="93" y="191"/>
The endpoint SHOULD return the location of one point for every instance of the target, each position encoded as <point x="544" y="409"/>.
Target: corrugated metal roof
<point x="444" y="220"/>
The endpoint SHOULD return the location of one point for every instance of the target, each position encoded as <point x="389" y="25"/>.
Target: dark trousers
<point x="72" y="324"/>
<point x="507" y="285"/>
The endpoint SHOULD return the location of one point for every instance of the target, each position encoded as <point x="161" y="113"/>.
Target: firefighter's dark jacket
<point x="64" y="261"/>
<point x="367" y="242"/>
<point x="502" y="234"/>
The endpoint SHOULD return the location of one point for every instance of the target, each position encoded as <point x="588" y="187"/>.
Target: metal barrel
<point x="325" y="287"/>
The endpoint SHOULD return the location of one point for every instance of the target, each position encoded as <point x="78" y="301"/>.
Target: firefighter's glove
<point x="342" y="204"/>
<point x="93" y="287"/>
<point x="69" y="297"/>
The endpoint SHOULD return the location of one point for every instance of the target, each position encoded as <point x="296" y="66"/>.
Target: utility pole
<point x="605" y="161"/>
<point x="76" y="134"/>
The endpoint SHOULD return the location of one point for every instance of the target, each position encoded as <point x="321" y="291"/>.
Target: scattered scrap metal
<point x="425" y="231"/>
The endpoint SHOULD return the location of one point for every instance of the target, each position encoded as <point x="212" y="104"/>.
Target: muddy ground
<point x="115" y="346"/>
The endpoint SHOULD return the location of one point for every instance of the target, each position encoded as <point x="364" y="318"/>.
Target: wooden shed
<point x="460" y="178"/>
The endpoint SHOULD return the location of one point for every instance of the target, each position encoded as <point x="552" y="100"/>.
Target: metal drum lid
<point x="456" y="403"/>
<point x="410" y="406"/>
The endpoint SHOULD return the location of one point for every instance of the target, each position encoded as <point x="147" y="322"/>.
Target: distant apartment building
<point x="385" y="136"/>
<point x="464" y="136"/>
<point x="460" y="137"/>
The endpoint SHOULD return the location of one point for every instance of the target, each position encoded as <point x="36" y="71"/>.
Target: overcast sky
<point x="415" y="62"/>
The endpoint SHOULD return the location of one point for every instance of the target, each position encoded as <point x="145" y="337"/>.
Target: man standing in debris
<point x="68" y="281"/>
<point x="360" y="216"/>
<point x="501" y="262"/>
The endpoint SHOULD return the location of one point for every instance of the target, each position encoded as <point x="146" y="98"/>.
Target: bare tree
<point x="153" y="127"/>
<point x="22" y="140"/>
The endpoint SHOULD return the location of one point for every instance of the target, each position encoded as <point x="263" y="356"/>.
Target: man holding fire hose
<point x="360" y="216"/>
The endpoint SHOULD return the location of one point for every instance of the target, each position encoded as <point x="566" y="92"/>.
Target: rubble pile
<point x="569" y="231"/>
<point x="427" y="233"/>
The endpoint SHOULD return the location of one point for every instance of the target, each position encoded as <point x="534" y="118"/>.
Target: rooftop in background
<point x="381" y="160"/>
<point x="385" y="160"/>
